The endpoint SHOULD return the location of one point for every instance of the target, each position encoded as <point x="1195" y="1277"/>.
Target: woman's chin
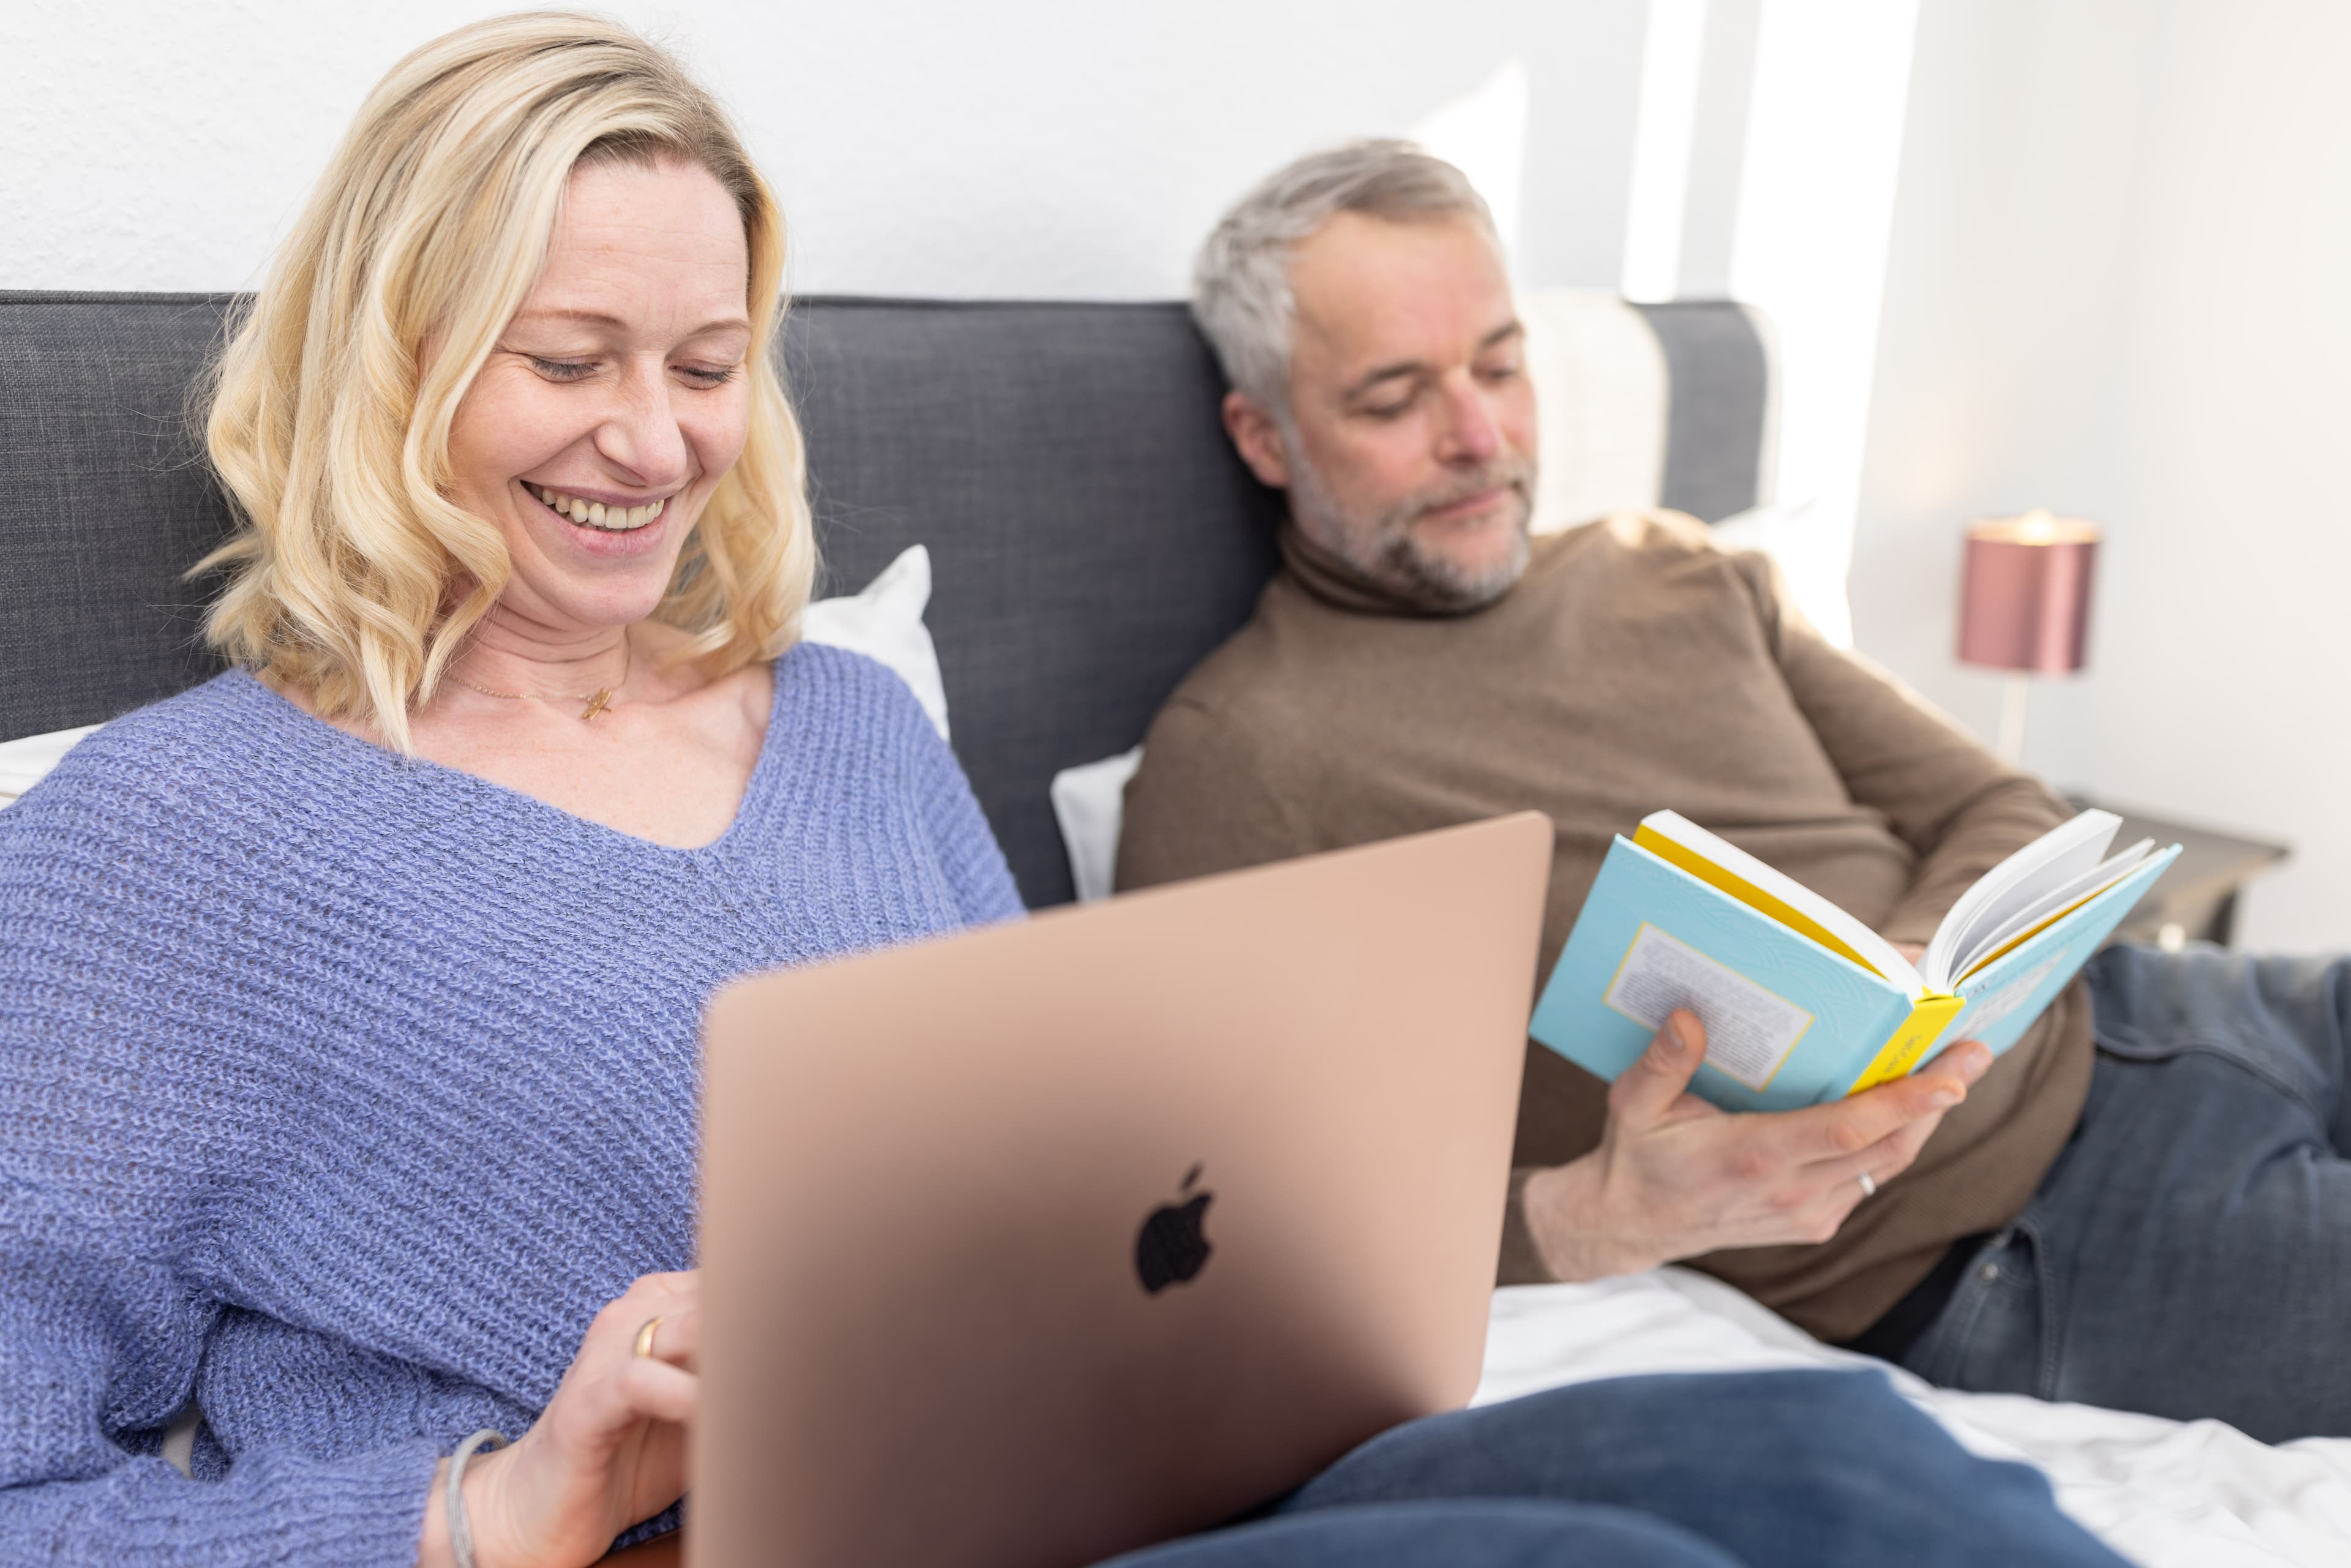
<point x="590" y="576"/>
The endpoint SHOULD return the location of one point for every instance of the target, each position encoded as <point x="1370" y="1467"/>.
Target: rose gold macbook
<point x="1037" y="1243"/>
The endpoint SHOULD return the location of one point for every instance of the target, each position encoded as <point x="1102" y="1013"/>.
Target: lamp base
<point x="2014" y="694"/>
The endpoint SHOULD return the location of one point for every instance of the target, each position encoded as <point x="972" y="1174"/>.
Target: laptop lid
<point x="1040" y="1242"/>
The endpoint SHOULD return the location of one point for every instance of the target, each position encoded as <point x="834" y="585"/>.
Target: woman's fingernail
<point x="1948" y="1096"/>
<point x="1675" y="1039"/>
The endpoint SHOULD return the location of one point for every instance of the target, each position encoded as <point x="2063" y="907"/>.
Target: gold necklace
<point x="597" y="700"/>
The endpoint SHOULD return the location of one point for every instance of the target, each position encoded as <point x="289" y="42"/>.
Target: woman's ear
<point x="1257" y="437"/>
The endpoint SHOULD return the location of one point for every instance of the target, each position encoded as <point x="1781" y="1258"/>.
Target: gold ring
<point x="644" y="1348"/>
<point x="1869" y="1190"/>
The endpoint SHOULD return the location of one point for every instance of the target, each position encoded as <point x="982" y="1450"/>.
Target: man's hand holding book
<point x="1675" y="1177"/>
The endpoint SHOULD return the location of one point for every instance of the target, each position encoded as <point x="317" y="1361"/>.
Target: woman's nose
<point x="641" y="433"/>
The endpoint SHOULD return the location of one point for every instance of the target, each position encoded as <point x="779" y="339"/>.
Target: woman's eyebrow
<point x="592" y="318"/>
<point x="604" y="319"/>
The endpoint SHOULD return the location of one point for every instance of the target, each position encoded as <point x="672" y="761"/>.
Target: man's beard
<point x="1382" y="547"/>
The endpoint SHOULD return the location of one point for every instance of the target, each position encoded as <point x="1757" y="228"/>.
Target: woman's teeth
<point x="596" y="515"/>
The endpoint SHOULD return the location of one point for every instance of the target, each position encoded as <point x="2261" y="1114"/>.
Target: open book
<point x="1801" y="1002"/>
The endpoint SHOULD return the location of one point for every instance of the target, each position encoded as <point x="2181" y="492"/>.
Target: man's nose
<point x="1472" y="433"/>
<point x="640" y="432"/>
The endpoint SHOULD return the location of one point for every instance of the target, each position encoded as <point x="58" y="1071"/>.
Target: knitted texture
<point x="340" y="1089"/>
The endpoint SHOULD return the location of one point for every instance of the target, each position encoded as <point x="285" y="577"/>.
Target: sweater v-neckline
<point x="754" y="787"/>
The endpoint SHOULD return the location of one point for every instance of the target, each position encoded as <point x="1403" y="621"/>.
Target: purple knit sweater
<point x="340" y="1089"/>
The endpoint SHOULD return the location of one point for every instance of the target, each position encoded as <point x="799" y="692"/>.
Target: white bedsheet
<point x="2164" y="1493"/>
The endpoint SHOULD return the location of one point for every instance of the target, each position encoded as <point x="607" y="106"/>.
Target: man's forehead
<point x="1371" y="291"/>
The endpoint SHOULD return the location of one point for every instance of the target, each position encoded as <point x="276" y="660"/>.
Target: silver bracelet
<point x="461" y="1530"/>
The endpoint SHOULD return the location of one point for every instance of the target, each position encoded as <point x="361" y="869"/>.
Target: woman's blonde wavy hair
<point x="353" y="576"/>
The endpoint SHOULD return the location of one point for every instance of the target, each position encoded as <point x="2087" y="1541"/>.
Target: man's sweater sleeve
<point x="1201" y="803"/>
<point x="1960" y="808"/>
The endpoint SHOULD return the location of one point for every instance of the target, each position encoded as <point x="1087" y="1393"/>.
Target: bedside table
<point x="2196" y="900"/>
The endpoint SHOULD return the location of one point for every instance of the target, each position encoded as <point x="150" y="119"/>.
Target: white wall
<point x="1764" y="162"/>
<point x="2120" y="285"/>
<point x="2116" y="285"/>
<point x="1070" y="148"/>
<point x="1816" y="195"/>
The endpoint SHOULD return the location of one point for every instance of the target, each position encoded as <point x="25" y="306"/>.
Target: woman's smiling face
<point x="616" y="399"/>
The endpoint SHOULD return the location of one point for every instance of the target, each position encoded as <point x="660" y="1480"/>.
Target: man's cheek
<point x="1513" y="405"/>
<point x="1377" y="482"/>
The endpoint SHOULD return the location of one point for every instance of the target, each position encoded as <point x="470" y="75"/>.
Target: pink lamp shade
<point x="2025" y="602"/>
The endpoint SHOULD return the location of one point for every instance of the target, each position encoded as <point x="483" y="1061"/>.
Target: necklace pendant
<point x="599" y="703"/>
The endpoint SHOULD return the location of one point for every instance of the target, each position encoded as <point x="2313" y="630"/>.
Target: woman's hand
<point x="1675" y="1177"/>
<point x="607" y="1451"/>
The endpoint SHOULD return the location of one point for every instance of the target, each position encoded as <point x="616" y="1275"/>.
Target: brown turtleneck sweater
<point x="1635" y="667"/>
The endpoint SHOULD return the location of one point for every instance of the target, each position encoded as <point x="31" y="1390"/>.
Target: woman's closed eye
<point x="561" y="369"/>
<point x="580" y="369"/>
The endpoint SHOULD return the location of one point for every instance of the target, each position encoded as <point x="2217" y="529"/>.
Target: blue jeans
<point x="1768" y="1469"/>
<point x="2190" y="1253"/>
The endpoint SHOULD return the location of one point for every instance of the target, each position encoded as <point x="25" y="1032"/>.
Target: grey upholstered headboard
<point x="1091" y="534"/>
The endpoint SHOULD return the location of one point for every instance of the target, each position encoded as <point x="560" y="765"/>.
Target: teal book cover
<point x="1789" y="1023"/>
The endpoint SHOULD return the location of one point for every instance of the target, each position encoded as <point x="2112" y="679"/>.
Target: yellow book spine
<point x="1924" y="1025"/>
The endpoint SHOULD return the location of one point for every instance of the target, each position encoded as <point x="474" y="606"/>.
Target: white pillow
<point x="885" y="623"/>
<point x="1811" y="556"/>
<point x="24" y="762"/>
<point x="1602" y="395"/>
<point x="1090" y="803"/>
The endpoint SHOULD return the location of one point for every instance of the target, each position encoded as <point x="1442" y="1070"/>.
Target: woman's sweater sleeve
<point x="983" y="890"/>
<point x="101" y="1318"/>
<point x="276" y="1507"/>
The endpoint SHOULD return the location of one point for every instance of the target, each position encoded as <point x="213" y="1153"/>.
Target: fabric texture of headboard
<point x="1093" y="534"/>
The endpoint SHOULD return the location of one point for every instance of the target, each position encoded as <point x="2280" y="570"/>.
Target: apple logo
<point x="1170" y="1249"/>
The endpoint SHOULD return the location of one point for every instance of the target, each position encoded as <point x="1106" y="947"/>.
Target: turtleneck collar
<point x="1339" y="584"/>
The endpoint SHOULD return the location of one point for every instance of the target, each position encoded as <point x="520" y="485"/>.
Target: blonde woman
<point x="348" y="1001"/>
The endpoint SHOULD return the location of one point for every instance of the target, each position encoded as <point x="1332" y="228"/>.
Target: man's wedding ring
<point x="1869" y="1190"/>
<point x="644" y="1349"/>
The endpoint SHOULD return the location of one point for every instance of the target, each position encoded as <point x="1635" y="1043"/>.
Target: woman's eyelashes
<point x="580" y="369"/>
<point x="560" y="370"/>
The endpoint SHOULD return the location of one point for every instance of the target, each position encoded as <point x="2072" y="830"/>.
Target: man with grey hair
<point x="1419" y="662"/>
<point x="1247" y="307"/>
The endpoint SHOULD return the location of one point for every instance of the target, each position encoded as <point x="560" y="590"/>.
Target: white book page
<point x="2081" y="890"/>
<point x="1875" y="950"/>
<point x="2057" y="857"/>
